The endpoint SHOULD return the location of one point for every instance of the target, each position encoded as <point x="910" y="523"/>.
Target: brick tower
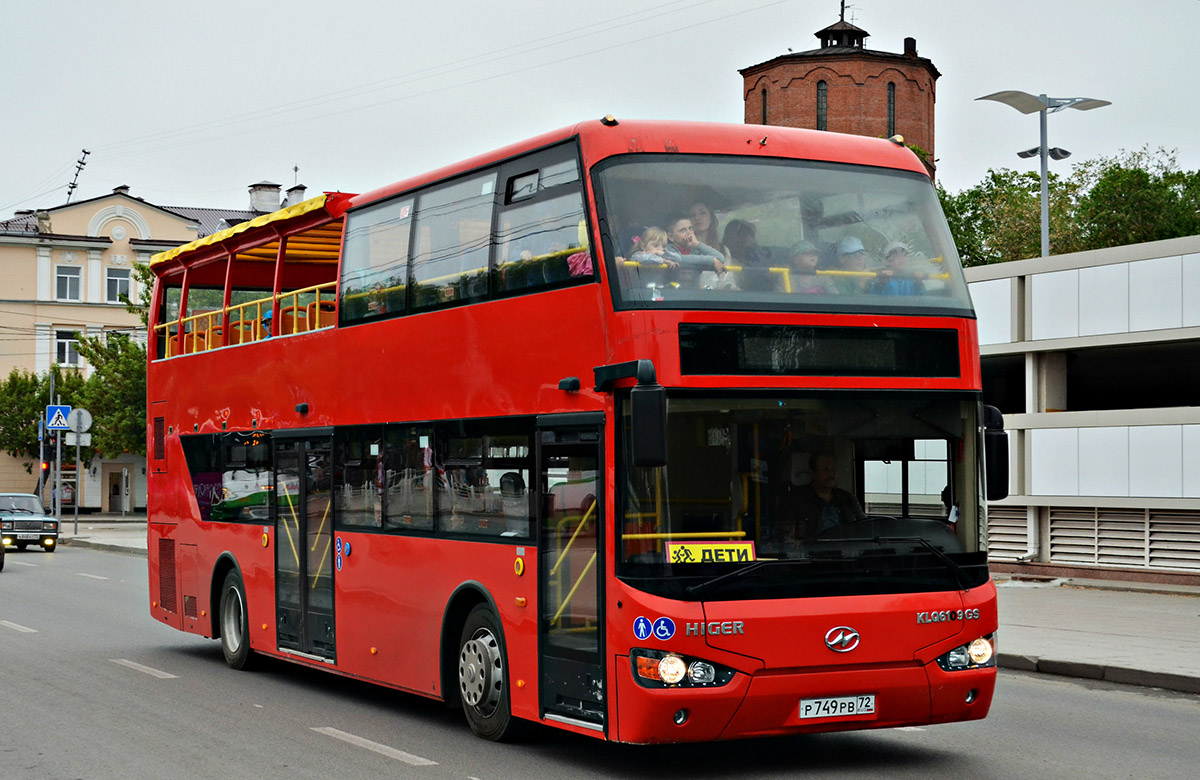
<point x="847" y="88"/>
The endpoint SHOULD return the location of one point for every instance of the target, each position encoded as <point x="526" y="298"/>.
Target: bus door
<point x="571" y="493"/>
<point x="303" y="545"/>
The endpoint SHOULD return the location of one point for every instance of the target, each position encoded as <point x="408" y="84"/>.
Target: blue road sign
<point x="56" y="418"/>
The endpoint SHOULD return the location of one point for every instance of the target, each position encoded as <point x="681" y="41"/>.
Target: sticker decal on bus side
<point x="711" y="552"/>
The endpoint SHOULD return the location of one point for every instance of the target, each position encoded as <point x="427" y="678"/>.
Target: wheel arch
<point x="226" y="562"/>
<point x="465" y="598"/>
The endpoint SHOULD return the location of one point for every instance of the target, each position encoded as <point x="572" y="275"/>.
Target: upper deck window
<point x="450" y="252"/>
<point x="776" y="234"/>
<point x="516" y="227"/>
<point x="375" y="260"/>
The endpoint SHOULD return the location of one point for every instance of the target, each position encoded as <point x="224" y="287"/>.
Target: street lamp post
<point x="1027" y="104"/>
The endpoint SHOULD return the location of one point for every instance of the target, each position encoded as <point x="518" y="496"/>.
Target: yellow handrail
<point x="328" y="541"/>
<point x="587" y="516"/>
<point x="575" y="587"/>
<point x="689" y="535"/>
<point x="240" y="313"/>
<point x="292" y="509"/>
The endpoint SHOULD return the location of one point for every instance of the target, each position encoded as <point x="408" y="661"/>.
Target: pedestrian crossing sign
<point x="56" y="418"/>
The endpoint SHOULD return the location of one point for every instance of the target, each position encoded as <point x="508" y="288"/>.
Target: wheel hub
<point x="480" y="672"/>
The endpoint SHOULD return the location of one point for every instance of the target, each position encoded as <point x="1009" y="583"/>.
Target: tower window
<point x="764" y="107"/>
<point x="822" y="105"/>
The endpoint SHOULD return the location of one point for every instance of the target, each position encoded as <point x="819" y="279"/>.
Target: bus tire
<point x="483" y="677"/>
<point x="235" y="623"/>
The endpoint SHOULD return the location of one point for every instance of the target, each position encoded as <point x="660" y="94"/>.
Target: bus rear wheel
<point x="483" y="677"/>
<point x="235" y="623"/>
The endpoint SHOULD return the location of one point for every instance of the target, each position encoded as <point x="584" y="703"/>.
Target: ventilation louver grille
<point x="166" y="575"/>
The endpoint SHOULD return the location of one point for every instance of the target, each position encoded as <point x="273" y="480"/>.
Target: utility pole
<point x="54" y="465"/>
<point x="75" y="182"/>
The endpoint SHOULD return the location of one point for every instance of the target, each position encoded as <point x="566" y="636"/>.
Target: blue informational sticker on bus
<point x="338" y="561"/>
<point x="338" y="545"/>
<point x="664" y="628"/>
<point x="642" y="628"/>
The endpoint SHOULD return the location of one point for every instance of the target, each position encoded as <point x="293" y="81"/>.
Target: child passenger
<point x="650" y="248"/>
<point x="896" y="278"/>
<point x="804" y="260"/>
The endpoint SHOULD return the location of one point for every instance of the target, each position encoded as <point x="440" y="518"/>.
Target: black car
<point x="23" y="521"/>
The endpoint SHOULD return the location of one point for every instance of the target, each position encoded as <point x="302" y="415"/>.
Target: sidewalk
<point x="1115" y="631"/>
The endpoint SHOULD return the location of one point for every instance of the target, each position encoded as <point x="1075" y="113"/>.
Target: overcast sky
<point x="188" y="103"/>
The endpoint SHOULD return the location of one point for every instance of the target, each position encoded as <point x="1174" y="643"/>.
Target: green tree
<point x="23" y="397"/>
<point x="1133" y="197"/>
<point x="116" y="393"/>
<point x="1000" y="218"/>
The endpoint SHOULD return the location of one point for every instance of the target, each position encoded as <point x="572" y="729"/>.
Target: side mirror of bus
<point x="649" y="423"/>
<point x="995" y="454"/>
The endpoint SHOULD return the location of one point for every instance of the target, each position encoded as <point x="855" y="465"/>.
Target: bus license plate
<point x="837" y="706"/>
<point x="23" y="537"/>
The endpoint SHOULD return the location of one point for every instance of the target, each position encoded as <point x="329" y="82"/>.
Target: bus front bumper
<point x="769" y="703"/>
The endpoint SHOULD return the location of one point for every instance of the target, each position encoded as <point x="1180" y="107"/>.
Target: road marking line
<point x="21" y="563"/>
<point x="383" y="750"/>
<point x="910" y="728"/>
<point x="144" y="669"/>
<point x="92" y="576"/>
<point x="18" y="627"/>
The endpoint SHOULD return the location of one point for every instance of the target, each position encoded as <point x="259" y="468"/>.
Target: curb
<point x="79" y="541"/>
<point x="1116" y="674"/>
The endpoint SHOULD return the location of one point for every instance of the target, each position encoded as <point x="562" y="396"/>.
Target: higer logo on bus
<point x="841" y="639"/>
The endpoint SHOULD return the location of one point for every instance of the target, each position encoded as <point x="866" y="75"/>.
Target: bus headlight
<point x="976" y="654"/>
<point x="662" y="669"/>
<point x="671" y="669"/>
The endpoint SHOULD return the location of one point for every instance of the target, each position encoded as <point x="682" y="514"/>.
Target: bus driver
<point x="803" y="512"/>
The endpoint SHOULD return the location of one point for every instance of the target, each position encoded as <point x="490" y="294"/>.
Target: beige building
<point x="1094" y="359"/>
<point x="63" y="271"/>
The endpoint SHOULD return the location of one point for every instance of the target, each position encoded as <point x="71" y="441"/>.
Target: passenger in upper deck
<point x="685" y="249"/>
<point x="896" y="278"/>
<point x="741" y="240"/>
<point x="804" y="279"/>
<point x="704" y="222"/>
<point x="852" y="262"/>
<point x="650" y="246"/>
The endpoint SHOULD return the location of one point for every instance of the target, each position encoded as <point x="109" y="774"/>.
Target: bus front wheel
<point x="235" y="624"/>
<point x="482" y="677"/>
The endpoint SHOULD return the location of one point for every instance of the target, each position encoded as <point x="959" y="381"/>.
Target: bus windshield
<point x="686" y="231"/>
<point x="795" y="496"/>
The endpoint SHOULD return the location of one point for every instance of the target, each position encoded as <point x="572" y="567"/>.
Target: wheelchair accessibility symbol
<point x="662" y="628"/>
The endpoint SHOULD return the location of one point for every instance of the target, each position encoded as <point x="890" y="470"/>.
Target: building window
<point x="891" y="121"/>
<point x="65" y="348"/>
<point x="67" y="283"/>
<point x="822" y="105"/>
<point x="116" y="284"/>
<point x="764" y="106"/>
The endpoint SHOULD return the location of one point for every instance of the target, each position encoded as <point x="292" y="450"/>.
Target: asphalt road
<point x="93" y="688"/>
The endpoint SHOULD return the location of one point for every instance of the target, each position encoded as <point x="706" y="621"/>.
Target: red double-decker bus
<point x="638" y="429"/>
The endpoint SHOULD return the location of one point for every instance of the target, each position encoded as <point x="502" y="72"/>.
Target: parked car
<point x="23" y="521"/>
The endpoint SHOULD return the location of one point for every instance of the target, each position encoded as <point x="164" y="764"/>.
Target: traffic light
<point x="45" y="467"/>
